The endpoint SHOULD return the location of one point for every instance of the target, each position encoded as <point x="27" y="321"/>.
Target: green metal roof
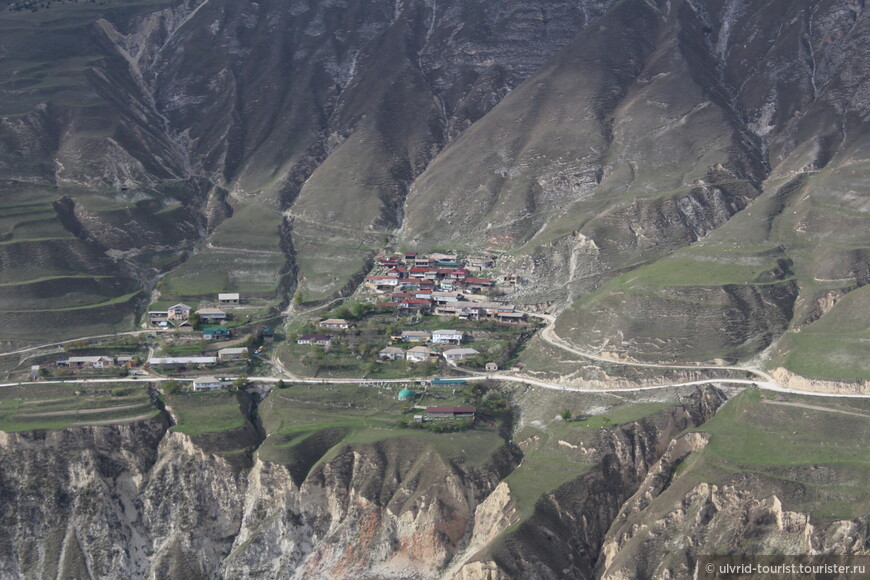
<point x="406" y="394"/>
<point x="215" y="331"/>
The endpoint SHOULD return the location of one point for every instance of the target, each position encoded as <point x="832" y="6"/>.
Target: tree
<point x="566" y="415"/>
<point x="281" y="384"/>
<point x="171" y="387"/>
<point x="241" y="382"/>
<point x="194" y="320"/>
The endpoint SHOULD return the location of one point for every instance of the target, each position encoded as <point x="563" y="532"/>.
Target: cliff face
<point x="661" y="532"/>
<point x="141" y="501"/>
<point x="640" y="499"/>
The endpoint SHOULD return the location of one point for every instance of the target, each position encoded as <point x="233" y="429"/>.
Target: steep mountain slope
<point x="648" y="134"/>
<point x="683" y="180"/>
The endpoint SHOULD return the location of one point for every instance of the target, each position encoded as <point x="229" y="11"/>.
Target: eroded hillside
<point x="682" y="180"/>
<point x="301" y="485"/>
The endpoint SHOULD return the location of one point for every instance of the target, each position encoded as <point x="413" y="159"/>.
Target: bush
<point x="171" y="387"/>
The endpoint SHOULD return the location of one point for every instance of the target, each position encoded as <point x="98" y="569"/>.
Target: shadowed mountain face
<point x="684" y="180"/>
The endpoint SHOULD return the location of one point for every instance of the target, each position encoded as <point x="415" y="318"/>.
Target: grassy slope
<point x="33" y="243"/>
<point x="815" y="460"/>
<point x="58" y="406"/>
<point x="242" y="255"/>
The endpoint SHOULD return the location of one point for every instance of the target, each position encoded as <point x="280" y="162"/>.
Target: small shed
<point x="406" y="395"/>
<point x="229" y="299"/>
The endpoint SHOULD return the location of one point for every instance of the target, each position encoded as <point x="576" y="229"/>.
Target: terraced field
<point x="62" y="405"/>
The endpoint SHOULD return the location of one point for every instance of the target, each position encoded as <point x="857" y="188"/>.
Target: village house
<point x="480" y="263"/>
<point x="211" y="314"/>
<point x="423" y="261"/>
<point x="418" y="354"/>
<point x="445" y="297"/>
<point x="450" y="412"/>
<point x="178" y="312"/>
<point x="318" y="339"/>
<point x="477" y="284"/>
<point x="462" y="309"/>
<point x="229" y="299"/>
<point x="493" y="308"/>
<point x="391" y="353"/>
<point x="510" y="317"/>
<point x="87" y="362"/>
<point x="381" y="282"/>
<point x="491" y="367"/>
<point x="268" y="335"/>
<point x="240" y="353"/>
<point x="459" y="354"/>
<point x="388" y="261"/>
<point x="447" y="336"/>
<point x="155" y="316"/>
<point x="125" y="360"/>
<point x="415" y="336"/>
<point x="397" y="272"/>
<point x="438" y="257"/>
<point x="215" y="334"/>
<point x="208" y="383"/>
<point x="414" y="305"/>
<point x="335" y="324"/>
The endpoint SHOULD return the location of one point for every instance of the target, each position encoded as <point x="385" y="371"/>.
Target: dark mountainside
<point x="699" y="163"/>
<point x="677" y="181"/>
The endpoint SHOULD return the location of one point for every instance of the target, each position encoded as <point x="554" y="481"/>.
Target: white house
<point x="318" y="339"/>
<point x="96" y="362"/>
<point x="391" y="353"/>
<point x="447" y="336"/>
<point x="418" y="354"/>
<point x="208" y="383"/>
<point x="335" y="323"/>
<point x="456" y="354"/>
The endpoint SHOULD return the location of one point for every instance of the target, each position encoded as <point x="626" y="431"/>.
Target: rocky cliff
<point x="143" y="501"/>
<point x="138" y="501"/>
